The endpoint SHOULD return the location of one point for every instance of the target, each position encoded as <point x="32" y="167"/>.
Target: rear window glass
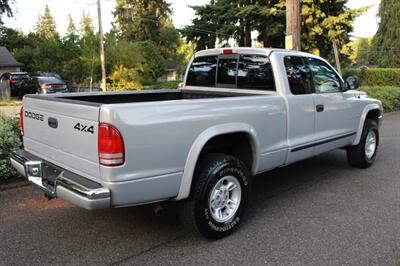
<point x="202" y="71"/>
<point x="227" y="70"/>
<point x="298" y="75"/>
<point x="255" y="72"/>
<point x="20" y="77"/>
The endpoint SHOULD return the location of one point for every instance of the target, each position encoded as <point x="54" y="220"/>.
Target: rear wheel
<point x="363" y="155"/>
<point x="219" y="196"/>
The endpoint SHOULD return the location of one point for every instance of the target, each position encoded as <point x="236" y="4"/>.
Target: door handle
<point x="320" y="108"/>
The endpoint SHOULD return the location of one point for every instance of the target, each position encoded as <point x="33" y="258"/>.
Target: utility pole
<point x="293" y="25"/>
<point x="101" y="45"/>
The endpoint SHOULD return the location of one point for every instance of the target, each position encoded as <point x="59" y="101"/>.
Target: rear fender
<point x="202" y="140"/>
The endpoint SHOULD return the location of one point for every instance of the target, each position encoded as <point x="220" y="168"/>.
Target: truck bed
<point x="100" y="98"/>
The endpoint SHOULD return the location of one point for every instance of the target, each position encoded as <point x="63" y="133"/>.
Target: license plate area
<point x="34" y="169"/>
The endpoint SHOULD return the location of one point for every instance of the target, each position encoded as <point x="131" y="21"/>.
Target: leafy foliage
<point x="5" y="8"/>
<point x="386" y="43"/>
<point x="125" y="79"/>
<point x="154" y="63"/>
<point x="389" y="95"/>
<point x="323" y="22"/>
<point x="168" y="85"/>
<point x="376" y="76"/>
<point x="361" y="51"/>
<point x="9" y="141"/>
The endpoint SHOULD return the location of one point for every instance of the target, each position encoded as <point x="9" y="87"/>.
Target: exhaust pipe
<point x="158" y="210"/>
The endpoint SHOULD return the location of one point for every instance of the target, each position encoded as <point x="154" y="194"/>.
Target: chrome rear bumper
<point x="58" y="182"/>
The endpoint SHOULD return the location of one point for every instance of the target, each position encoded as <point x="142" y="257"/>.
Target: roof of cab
<point x="245" y="50"/>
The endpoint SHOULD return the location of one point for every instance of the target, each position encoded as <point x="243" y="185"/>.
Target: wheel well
<point x="235" y="144"/>
<point x="374" y="115"/>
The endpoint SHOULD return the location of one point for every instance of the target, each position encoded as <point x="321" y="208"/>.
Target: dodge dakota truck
<point x="239" y="112"/>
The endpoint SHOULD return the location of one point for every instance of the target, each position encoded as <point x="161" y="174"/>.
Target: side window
<point x="325" y="79"/>
<point x="298" y="75"/>
<point x="202" y="72"/>
<point x="227" y="69"/>
<point x="255" y="72"/>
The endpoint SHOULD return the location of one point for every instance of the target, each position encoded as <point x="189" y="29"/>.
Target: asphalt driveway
<point x="317" y="212"/>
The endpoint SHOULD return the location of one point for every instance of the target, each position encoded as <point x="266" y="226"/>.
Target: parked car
<point x="19" y="83"/>
<point x="240" y="112"/>
<point x="46" y="85"/>
<point x="46" y="74"/>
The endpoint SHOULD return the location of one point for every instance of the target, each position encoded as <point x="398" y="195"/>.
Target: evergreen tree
<point x="141" y="20"/>
<point x="323" y="22"/>
<point x="46" y="26"/>
<point x="386" y="43"/>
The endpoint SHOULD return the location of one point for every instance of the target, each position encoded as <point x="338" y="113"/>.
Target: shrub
<point x="390" y="96"/>
<point x="376" y="76"/>
<point x="170" y="85"/>
<point x="125" y="79"/>
<point x="9" y="140"/>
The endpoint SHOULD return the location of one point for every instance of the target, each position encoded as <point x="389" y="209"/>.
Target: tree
<point x="323" y="21"/>
<point x="361" y="51"/>
<point x="154" y="62"/>
<point x="147" y="20"/>
<point x="5" y="9"/>
<point x="386" y="43"/>
<point x="12" y="39"/>
<point x="46" y="26"/>
<point x="141" y="20"/>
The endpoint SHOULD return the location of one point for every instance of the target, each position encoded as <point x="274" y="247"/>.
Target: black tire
<point x="196" y="212"/>
<point x="356" y="155"/>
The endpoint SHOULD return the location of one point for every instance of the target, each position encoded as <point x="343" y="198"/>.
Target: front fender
<point x="367" y="109"/>
<point x="202" y="140"/>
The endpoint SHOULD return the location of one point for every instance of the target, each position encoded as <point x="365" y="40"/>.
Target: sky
<point x="28" y="11"/>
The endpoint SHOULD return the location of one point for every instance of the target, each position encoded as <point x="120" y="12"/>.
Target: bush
<point x="376" y="76"/>
<point x="170" y="85"/>
<point x="390" y="96"/>
<point x="9" y="141"/>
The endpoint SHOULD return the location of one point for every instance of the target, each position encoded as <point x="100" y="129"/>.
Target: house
<point x="8" y="62"/>
<point x="171" y="71"/>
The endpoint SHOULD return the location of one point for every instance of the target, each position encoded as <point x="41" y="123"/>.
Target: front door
<point x="335" y="117"/>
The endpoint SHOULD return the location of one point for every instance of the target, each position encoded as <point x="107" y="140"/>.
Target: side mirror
<point x="352" y="83"/>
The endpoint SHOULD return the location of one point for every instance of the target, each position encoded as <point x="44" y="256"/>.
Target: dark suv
<point x="19" y="83"/>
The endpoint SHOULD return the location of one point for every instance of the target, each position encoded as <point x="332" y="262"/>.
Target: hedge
<point x="9" y="140"/>
<point x="376" y="76"/>
<point x="163" y="85"/>
<point x="389" y="95"/>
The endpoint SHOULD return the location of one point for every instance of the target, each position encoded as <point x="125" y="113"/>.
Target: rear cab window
<point x="299" y="75"/>
<point x="246" y="72"/>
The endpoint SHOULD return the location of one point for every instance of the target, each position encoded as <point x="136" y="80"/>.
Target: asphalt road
<point x="317" y="212"/>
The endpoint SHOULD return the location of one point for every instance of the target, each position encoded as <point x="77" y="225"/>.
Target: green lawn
<point x="10" y="102"/>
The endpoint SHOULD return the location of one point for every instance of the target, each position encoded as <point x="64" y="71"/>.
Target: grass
<point x="10" y="102"/>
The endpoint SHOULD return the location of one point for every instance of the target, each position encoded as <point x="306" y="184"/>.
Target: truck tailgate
<point x="63" y="133"/>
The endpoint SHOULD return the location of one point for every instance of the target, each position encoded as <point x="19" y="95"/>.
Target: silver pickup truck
<point x="240" y="112"/>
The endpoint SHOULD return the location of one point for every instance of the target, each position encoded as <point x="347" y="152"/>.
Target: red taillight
<point x="11" y="81"/>
<point x="111" y="146"/>
<point x="21" y="121"/>
<point x="228" y="51"/>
